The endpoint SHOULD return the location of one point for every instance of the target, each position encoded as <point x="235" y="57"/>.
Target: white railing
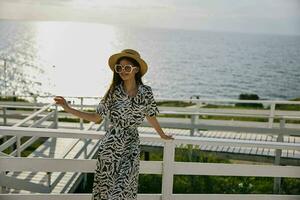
<point x="53" y="116"/>
<point x="168" y="167"/>
<point x="194" y="112"/>
<point x="194" y="125"/>
<point x="17" y="139"/>
<point x="40" y="110"/>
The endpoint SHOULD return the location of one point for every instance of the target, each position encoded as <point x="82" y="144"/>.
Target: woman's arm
<point x="154" y="123"/>
<point x="94" y="117"/>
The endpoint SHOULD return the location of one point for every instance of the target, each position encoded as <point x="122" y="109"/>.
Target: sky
<point x="251" y="16"/>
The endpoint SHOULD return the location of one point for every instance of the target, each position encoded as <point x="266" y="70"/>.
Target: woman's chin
<point x="124" y="77"/>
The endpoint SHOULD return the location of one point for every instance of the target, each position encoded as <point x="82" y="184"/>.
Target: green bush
<point x="249" y="97"/>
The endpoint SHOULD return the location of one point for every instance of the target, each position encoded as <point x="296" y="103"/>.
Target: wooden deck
<point x="293" y="154"/>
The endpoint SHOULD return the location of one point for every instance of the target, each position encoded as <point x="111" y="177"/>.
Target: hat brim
<point x="113" y="59"/>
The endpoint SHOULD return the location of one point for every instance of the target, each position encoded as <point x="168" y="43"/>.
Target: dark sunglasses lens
<point x="118" y="68"/>
<point x="127" y="68"/>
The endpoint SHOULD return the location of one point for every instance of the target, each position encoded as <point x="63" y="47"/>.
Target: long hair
<point x="118" y="80"/>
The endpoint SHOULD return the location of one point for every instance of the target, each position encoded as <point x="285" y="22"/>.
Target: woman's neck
<point x="130" y="86"/>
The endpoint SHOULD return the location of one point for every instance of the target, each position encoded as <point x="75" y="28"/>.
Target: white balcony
<point x="76" y="156"/>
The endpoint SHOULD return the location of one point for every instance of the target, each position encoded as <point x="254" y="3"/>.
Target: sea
<point x="71" y="59"/>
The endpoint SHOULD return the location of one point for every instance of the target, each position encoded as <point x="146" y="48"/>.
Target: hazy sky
<point x="262" y="16"/>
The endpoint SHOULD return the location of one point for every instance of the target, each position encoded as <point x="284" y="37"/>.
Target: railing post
<point x="85" y="157"/>
<point x="193" y="119"/>
<point x="199" y="105"/>
<point x="81" y="108"/>
<point x="167" y="171"/>
<point x="4" y="116"/>
<point x="277" y="180"/>
<point x="49" y="180"/>
<point x="18" y="146"/>
<point x="85" y="147"/>
<point x="272" y="113"/>
<point x="55" y="117"/>
<point x="35" y="104"/>
<point x="5" y="123"/>
<point x="2" y="188"/>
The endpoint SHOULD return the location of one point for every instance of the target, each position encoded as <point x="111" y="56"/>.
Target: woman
<point x="125" y="105"/>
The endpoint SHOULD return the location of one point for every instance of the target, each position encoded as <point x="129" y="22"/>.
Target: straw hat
<point x="128" y="53"/>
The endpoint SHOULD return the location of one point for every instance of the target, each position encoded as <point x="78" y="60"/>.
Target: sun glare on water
<point x="76" y="55"/>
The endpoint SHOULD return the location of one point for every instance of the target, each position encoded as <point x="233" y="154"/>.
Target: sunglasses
<point x="127" y="68"/>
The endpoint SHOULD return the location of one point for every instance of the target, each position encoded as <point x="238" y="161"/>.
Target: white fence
<point x="168" y="167"/>
<point x="194" y="123"/>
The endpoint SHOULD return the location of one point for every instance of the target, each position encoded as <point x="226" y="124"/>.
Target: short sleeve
<point x="151" y="107"/>
<point x="103" y="107"/>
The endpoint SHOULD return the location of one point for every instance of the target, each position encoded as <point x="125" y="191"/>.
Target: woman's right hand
<point x="81" y="114"/>
<point x="59" y="100"/>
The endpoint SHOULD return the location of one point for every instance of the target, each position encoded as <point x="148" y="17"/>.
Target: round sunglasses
<point x="127" y="68"/>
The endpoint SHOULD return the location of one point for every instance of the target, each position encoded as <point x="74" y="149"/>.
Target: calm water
<point x="181" y="63"/>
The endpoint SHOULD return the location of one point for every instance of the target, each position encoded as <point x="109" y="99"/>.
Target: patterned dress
<point x="117" y="172"/>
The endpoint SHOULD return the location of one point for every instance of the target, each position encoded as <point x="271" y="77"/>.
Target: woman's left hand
<point x="166" y="137"/>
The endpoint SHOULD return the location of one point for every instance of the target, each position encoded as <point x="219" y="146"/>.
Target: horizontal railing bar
<point x="21" y="184"/>
<point x="219" y="169"/>
<point x="151" y="167"/>
<point x="40" y="105"/>
<point x="77" y="196"/>
<point x="196" y="113"/>
<point x="56" y="133"/>
<point x="233" y="197"/>
<point x="277" y="116"/>
<point x="177" y="99"/>
<point x="246" y="129"/>
<point x="236" y="143"/>
<point x="81" y="196"/>
<point x="65" y="165"/>
<point x="18" y="103"/>
<point x="9" y="106"/>
<point x="163" y="108"/>
<point x="213" y="114"/>
<point x="67" y="133"/>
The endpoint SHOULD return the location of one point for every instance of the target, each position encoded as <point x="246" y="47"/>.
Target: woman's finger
<point x="58" y="98"/>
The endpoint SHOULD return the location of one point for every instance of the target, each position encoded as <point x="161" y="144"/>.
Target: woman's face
<point x="125" y="75"/>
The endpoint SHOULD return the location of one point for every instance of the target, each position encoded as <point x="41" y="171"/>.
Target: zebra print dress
<point x="117" y="172"/>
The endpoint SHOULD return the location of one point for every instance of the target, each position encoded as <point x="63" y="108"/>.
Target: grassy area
<point x="289" y="107"/>
<point x="175" y="103"/>
<point x="16" y="99"/>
